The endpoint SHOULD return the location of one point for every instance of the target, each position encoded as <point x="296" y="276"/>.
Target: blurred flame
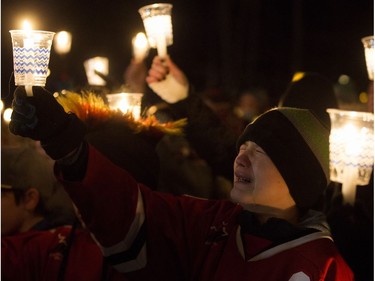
<point x="26" y="25"/>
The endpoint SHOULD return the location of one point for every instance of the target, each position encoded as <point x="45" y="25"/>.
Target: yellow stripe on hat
<point x="308" y="128"/>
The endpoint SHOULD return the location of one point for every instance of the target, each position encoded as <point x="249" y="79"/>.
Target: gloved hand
<point x="41" y="117"/>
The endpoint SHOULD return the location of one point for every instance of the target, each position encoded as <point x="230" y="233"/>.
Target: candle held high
<point x="158" y="25"/>
<point x="31" y="54"/>
<point x="351" y="150"/>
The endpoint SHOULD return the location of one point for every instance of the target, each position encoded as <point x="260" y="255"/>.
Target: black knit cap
<point x="298" y="144"/>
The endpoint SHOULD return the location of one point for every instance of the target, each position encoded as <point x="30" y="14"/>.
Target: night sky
<point x="219" y="44"/>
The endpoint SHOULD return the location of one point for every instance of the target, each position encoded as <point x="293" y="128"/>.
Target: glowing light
<point x="368" y="44"/>
<point x="99" y="64"/>
<point x="351" y="149"/>
<point x="62" y="42"/>
<point x="298" y="76"/>
<point x="127" y="103"/>
<point x="363" y="97"/>
<point x="31" y="51"/>
<point x="26" y="25"/>
<point x="140" y="46"/>
<point x="344" y="79"/>
<point x="7" y="114"/>
<point x="158" y="25"/>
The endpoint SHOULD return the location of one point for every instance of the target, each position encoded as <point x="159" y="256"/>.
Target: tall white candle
<point x="28" y="45"/>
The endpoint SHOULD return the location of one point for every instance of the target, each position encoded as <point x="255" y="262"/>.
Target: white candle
<point x="28" y="45"/>
<point x="159" y="32"/>
<point x="161" y="46"/>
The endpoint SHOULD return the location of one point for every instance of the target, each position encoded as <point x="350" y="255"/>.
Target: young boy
<point x="266" y="232"/>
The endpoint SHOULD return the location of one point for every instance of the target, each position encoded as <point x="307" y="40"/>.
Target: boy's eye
<point x="260" y="151"/>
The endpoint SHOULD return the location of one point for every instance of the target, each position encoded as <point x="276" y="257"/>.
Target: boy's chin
<point x="240" y="197"/>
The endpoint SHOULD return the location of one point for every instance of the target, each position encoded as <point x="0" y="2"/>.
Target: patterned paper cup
<point x="31" y="53"/>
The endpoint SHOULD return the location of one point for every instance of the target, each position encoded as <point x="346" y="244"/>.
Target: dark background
<point x="219" y="44"/>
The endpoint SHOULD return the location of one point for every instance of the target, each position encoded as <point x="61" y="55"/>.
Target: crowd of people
<point x="242" y="194"/>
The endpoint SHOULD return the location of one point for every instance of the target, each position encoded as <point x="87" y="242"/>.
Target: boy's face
<point x="257" y="181"/>
<point x="12" y="214"/>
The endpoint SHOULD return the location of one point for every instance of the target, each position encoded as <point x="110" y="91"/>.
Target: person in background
<point x="135" y="76"/>
<point x="32" y="197"/>
<point x="204" y="124"/>
<point x="182" y="171"/>
<point x="251" y="102"/>
<point x="351" y="226"/>
<point x="41" y="237"/>
<point x="267" y="231"/>
<point x="191" y="164"/>
<point x="312" y="91"/>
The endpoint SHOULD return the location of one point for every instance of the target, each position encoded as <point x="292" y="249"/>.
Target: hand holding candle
<point x="167" y="80"/>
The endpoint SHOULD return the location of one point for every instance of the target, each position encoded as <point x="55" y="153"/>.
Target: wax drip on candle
<point x="161" y="46"/>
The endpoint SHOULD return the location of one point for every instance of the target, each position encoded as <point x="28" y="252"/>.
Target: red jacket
<point x="37" y="255"/>
<point x="157" y="236"/>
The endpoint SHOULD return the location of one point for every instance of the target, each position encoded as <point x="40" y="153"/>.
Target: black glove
<point x="41" y="117"/>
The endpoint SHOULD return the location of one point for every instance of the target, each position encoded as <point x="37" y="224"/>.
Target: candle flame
<point x="26" y="25"/>
<point x="7" y="114"/>
<point x="140" y="40"/>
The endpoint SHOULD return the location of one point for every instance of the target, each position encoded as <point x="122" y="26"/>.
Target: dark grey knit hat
<point x="298" y="145"/>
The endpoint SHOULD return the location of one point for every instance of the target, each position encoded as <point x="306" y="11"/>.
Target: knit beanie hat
<point x="298" y="145"/>
<point x="24" y="167"/>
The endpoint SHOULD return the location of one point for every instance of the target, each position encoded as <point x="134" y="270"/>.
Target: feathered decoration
<point x="93" y="110"/>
